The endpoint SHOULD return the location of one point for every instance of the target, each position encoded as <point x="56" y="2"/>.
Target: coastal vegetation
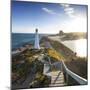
<point x="52" y="53"/>
<point x="27" y="63"/>
<point x="78" y="66"/>
<point x="40" y="80"/>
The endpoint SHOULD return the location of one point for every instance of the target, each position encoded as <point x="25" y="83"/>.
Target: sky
<point x="48" y="17"/>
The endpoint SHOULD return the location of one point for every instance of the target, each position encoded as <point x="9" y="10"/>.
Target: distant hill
<point x="71" y="36"/>
<point x="74" y="36"/>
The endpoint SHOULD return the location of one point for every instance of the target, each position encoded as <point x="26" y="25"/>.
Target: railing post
<point x="66" y="78"/>
<point x="61" y="67"/>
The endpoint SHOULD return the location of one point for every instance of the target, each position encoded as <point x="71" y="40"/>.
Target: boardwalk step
<point x="57" y="82"/>
<point x="54" y="79"/>
<point x="57" y="79"/>
<point x="53" y="85"/>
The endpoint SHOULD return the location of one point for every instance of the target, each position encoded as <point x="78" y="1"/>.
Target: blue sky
<point x="47" y="17"/>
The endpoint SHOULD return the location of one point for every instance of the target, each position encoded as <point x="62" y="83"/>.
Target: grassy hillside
<point x="78" y="66"/>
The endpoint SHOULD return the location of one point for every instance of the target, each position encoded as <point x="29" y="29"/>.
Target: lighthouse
<point x="36" y="44"/>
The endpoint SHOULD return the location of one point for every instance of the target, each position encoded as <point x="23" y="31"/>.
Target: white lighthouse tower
<point x="36" y="44"/>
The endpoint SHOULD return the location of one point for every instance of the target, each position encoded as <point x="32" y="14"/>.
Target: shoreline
<point x="58" y="39"/>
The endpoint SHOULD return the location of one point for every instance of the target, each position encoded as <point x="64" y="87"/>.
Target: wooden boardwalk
<point x="57" y="79"/>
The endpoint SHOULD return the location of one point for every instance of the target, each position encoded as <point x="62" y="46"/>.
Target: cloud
<point x="68" y="10"/>
<point x="65" y="5"/>
<point x="48" y="11"/>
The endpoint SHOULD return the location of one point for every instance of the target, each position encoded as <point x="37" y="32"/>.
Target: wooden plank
<point x="57" y="78"/>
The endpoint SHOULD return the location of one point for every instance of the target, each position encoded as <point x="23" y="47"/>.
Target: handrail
<point x="76" y="77"/>
<point x="79" y="79"/>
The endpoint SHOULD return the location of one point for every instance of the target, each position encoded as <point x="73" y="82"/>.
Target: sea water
<point x="19" y="39"/>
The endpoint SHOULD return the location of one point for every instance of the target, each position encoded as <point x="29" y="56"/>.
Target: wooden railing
<point x="68" y="73"/>
<point x="76" y="77"/>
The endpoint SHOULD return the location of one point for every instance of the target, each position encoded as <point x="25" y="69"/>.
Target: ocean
<point x="79" y="46"/>
<point x="19" y="39"/>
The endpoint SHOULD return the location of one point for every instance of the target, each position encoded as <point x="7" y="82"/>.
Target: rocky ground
<point x="27" y="70"/>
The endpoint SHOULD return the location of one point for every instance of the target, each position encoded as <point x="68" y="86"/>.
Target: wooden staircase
<point x="57" y="79"/>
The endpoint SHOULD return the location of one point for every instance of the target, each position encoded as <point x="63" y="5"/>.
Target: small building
<point x="61" y="33"/>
